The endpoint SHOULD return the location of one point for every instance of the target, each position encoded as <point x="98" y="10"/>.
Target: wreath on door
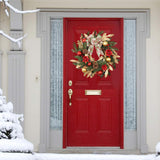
<point x="105" y="50"/>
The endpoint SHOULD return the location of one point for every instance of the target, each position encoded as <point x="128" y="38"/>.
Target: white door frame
<point x="143" y="31"/>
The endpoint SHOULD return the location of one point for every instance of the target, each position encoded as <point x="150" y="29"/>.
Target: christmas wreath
<point x="105" y="49"/>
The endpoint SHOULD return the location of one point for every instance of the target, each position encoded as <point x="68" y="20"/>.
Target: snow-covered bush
<point x="11" y="135"/>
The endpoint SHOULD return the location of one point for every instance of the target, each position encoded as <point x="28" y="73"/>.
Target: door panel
<point x="92" y="120"/>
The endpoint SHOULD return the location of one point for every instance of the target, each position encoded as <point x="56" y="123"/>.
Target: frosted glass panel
<point x="56" y="73"/>
<point x="130" y="74"/>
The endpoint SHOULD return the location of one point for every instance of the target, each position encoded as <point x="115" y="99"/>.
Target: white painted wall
<point x="32" y="47"/>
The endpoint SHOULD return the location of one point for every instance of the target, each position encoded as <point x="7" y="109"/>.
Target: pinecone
<point x="95" y="65"/>
<point x="85" y="51"/>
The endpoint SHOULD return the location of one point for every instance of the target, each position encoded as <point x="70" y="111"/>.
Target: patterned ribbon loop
<point x="94" y="42"/>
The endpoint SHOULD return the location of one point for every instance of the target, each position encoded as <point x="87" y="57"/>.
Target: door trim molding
<point x="142" y="17"/>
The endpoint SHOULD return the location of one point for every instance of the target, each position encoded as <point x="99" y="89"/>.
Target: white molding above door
<point x="142" y="17"/>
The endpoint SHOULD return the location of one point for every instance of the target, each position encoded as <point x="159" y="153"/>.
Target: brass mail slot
<point x="92" y="92"/>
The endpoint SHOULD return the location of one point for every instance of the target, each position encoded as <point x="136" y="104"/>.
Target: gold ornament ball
<point x="84" y="70"/>
<point x="108" y="59"/>
<point x="105" y="43"/>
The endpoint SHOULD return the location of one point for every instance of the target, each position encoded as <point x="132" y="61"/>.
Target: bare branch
<point x="18" y="40"/>
<point x="18" y="11"/>
<point x="6" y="3"/>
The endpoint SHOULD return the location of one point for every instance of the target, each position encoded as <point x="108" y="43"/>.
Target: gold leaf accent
<point x="78" y="66"/>
<point x="114" y="52"/>
<point x="100" y="58"/>
<point x="111" y="63"/>
<point x="86" y="55"/>
<point x="91" y="58"/>
<point x="86" y="73"/>
<point x="105" y="37"/>
<point x="89" y="74"/>
<point x="116" y="61"/>
<point x="106" y="73"/>
<point x="74" y="61"/>
<point x="111" y="68"/>
<point x="114" y="57"/>
<point x="93" y="74"/>
<point x="80" y="44"/>
<point x="85" y="35"/>
<point x="110" y="35"/>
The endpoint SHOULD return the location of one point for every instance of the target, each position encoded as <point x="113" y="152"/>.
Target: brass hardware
<point x="70" y="83"/>
<point x="92" y="92"/>
<point x="70" y="92"/>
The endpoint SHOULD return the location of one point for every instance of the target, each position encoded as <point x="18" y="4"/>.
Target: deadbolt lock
<point x="70" y="83"/>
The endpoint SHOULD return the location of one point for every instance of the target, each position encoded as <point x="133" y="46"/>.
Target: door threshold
<point x="95" y="150"/>
<point x="91" y="148"/>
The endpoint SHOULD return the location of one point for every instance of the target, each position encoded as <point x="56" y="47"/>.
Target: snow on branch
<point x="18" y="11"/>
<point x="18" y="40"/>
<point x="6" y="3"/>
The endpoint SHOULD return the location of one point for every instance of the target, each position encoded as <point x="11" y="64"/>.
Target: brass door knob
<point x="70" y="92"/>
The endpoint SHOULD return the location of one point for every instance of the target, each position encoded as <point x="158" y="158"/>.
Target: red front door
<point x="92" y="120"/>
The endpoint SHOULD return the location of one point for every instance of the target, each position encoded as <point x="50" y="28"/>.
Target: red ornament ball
<point x="83" y="40"/>
<point x="79" y="53"/>
<point x="89" y="63"/>
<point x="100" y="72"/>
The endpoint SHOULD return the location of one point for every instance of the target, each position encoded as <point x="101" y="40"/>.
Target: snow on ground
<point x="16" y="156"/>
<point x="47" y="156"/>
<point x="93" y="157"/>
<point x="19" y="145"/>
